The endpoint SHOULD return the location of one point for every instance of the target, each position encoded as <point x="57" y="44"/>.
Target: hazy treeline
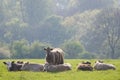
<point x="82" y="28"/>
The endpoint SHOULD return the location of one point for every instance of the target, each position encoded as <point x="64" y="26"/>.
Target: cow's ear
<point x="4" y="63"/>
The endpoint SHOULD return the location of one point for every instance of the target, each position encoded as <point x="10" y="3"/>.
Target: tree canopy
<point x="83" y="28"/>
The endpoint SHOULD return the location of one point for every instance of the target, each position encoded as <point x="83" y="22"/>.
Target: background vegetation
<point x="82" y="28"/>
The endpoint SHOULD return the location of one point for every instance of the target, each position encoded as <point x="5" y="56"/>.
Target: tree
<point x="4" y="53"/>
<point x="87" y="55"/>
<point x="12" y="24"/>
<point x="37" y="50"/>
<point x="52" y="31"/>
<point x="109" y="22"/>
<point x="37" y="10"/>
<point x="80" y="6"/>
<point x="72" y="49"/>
<point x="20" y="49"/>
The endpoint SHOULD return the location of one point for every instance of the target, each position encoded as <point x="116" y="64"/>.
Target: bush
<point x="87" y="55"/>
<point x="72" y="49"/>
<point x="19" y="48"/>
<point x="4" y="53"/>
<point x="37" y="50"/>
<point x="22" y="49"/>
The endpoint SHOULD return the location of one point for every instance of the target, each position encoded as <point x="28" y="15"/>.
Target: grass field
<point x="66" y="75"/>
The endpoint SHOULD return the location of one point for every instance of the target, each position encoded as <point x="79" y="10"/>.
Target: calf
<point x="32" y="67"/>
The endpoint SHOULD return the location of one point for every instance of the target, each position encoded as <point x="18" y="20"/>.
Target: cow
<point x="12" y="66"/>
<point x="85" y="66"/>
<point x="54" y="56"/>
<point x="87" y="62"/>
<point x="57" y="68"/>
<point x="103" y="66"/>
<point x="32" y="67"/>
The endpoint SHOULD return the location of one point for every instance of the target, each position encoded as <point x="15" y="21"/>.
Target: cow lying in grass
<point x="32" y="67"/>
<point x="85" y="66"/>
<point x="103" y="66"/>
<point x="12" y="66"/>
<point x="57" y="68"/>
<point x="20" y="66"/>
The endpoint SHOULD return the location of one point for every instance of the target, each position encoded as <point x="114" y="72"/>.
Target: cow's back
<point x="33" y="67"/>
<point x="57" y="50"/>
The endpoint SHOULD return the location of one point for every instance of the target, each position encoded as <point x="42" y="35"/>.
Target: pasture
<point x="66" y="75"/>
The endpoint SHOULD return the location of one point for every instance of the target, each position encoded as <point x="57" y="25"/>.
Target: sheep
<point x="103" y="66"/>
<point x="57" y="68"/>
<point x="32" y="67"/>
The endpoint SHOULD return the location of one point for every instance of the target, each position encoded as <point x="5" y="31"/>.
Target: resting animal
<point x="12" y="66"/>
<point x="32" y="67"/>
<point x="103" y="66"/>
<point x="85" y="66"/>
<point x="57" y="68"/>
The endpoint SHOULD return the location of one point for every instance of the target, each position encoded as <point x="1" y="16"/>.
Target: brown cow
<point x="54" y="56"/>
<point x="85" y="66"/>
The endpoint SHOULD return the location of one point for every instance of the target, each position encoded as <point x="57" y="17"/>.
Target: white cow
<point x="103" y="66"/>
<point x="32" y="67"/>
<point x="57" y="68"/>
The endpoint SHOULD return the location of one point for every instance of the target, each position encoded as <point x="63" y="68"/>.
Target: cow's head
<point x="49" y="54"/>
<point x="12" y="66"/>
<point x="48" y="49"/>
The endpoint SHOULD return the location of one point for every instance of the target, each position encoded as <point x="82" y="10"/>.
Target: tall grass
<point x="66" y="75"/>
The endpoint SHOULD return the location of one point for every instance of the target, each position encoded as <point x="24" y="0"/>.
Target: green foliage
<point x="56" y="21"/>
<point x="39" y="10"/>
<point x="109" y="26"/>
<point x="52" y="31"/>
<point x="22" y="49"/>
<point x="19" y="49"/>
<point x="4" y="53"/>
<point x="72" y="49"/>
<point x="37" y="50"/>
<point x="87" y="55"/>
<point x="84" y="5"/>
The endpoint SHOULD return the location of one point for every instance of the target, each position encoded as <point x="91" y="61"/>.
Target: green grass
<point x="66" y="75"/>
